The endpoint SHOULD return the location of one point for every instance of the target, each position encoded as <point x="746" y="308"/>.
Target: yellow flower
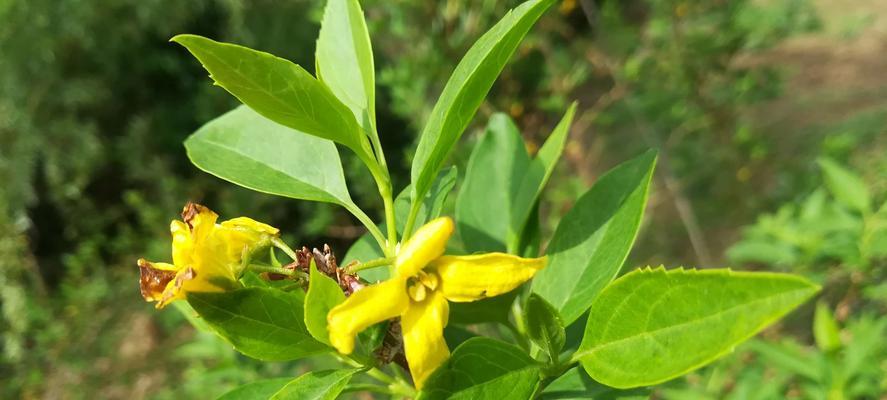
<point x="206" y="256"/>
<point x="424" y="281"/>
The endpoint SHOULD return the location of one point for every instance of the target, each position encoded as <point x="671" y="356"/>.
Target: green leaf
<point x="847" y="187"/>
<point x="316" y="385"/>
<point x="262" y="389"/>
<point x="536" y="176"/>
<point x="466" y="89"/>
<point x="544" y="326"/>
<point x="263" y="323"/>
<point x="594" y="238"/>
<point x="575" y="385"/>
<point x="344" y="59"/>
<point x="825" y="329"/>
<point x="278" y="89"/>
<point x="495" y="170"/>
<point x="787" y="357"/>
<point x="323" y="294"/>
<point x="249" y="150"/>
<point x="483" y="368"/>
<point x="650" y="326"/>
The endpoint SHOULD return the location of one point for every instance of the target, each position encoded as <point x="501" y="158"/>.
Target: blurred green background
<point x="741" y="97"/>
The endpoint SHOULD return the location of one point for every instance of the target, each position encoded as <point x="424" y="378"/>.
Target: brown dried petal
<point x="152" y="280"/>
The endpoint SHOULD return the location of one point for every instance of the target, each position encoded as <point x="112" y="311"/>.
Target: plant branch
<point x="381" y="262"/>
<point x="368" y="223"/>
<point x="277" y="270"/>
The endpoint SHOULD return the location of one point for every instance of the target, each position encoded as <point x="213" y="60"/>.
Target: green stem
<point x="277" y="270"/>
<point x="369" y="224"/>
<point x="383" y="182"/>
<point x="284" y="247"/>
<point x="397" y="386"/>
<point x="381" y="262"/>
<point x="377" y="146"/>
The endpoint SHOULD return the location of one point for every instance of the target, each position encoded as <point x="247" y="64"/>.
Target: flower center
<point x="420" y="285"/>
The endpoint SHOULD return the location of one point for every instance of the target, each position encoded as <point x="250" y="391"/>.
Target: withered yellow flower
<point x="423" y="283"/>
<point x="206" y="256"/>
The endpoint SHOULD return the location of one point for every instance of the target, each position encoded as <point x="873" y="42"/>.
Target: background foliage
<point x="742" y="98"/>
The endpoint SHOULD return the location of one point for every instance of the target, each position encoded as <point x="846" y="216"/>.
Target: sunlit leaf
<point x="323" y="294"/>
<point x="316" y="385"/>
<point x="466" y="89"/>
<point x="247" y="149"/>
<point x="261" y="389"/>
<point x="278" y="89"/>
<point x="650" y="326"/>
<point x="483" y="369"/>
<point x="594" y="238"/>
<point x="263" y="323"/>
<point x="344" y="59"/>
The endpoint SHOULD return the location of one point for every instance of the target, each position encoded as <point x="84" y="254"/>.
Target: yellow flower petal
<point x="244" y="235"/>
<point x="200" y="219"/>
<point x="372" y="304"/>
<point x="423" y="340"/>
<point x="428" y="243"/>
<point x="471" y="278"/>
<point x="249" y="224"/>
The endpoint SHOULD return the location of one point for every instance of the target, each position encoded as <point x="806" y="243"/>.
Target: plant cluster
<point x="387" y="325"/>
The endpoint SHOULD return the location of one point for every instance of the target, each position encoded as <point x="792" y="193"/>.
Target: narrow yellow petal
<point x="428" y="243"/>
<point x="372" y="304"/>
<point x="471" y="278"/>
<point x="423" y="341"/>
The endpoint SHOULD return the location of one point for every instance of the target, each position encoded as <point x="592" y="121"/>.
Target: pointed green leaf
<point x="247" y="149"/>
<point x="594" y="238"/>
<point x="278" y="89"/>
<point x="483" y="369"/>
<point x="466" y="89"/>
<point x="344" y="58"/>
<point x="650" y="326"/>
<point x="316" y="385"/>
<point x="263" y="323"/>
<point x="825" y="329"/>
<point x="544" y="326"/>
<point x="262" y="389"/>
<point x="323" y="294"/>
<point x="846" y="186"/>
<point x="495" y="170"/>
<point x="536" y="176"/>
